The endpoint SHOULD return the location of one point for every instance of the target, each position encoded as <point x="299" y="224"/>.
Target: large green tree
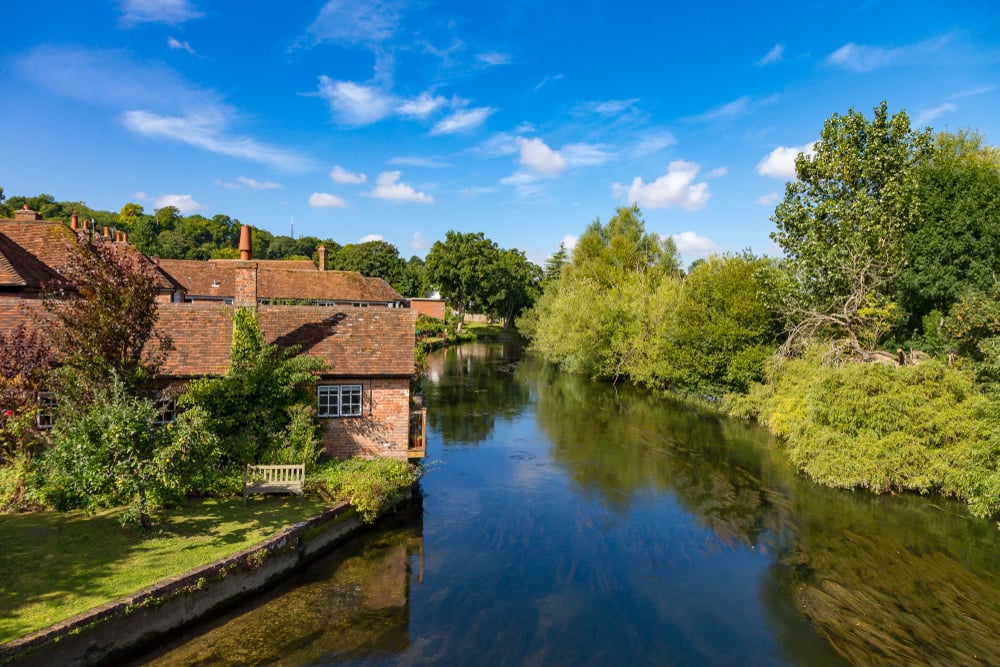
<point x="843" y="224"/>
<point x="515" y="283"/>
<point x="376" y="259"/>
<point x="955" y="247"/>
<point x="459" y="267"/>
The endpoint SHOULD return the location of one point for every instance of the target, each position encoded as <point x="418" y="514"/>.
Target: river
<point x="565" y="522"/>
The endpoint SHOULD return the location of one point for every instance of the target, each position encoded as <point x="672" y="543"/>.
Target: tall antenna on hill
<point x="292" y="232"/>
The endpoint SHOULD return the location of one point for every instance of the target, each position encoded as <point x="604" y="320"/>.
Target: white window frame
<point x="44" y="418"/>
<point x="166" y="410"/>
<point x="339" y="400"/>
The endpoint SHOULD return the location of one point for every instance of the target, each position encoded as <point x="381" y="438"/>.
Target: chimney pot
<point x="246" y="247"/>
<point x="107" y="233"/>
<point x="322" y="257"/>
<point x="74" y="221"/>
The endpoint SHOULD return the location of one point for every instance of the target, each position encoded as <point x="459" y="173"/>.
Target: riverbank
<point x="136" y="620"/>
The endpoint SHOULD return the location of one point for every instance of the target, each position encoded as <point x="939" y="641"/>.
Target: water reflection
<point x="351" y="605"/>
<point x="576" y="523"/>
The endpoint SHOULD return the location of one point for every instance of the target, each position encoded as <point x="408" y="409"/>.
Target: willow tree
<point x="843" y="225"/>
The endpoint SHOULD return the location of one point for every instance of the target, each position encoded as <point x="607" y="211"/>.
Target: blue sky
<point x="400" y="120"/>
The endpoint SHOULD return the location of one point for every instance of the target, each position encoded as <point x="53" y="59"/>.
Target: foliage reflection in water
<point x="579" y="523"/>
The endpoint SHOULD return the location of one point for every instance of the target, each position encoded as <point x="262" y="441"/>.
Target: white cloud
<point x="773" y="56"/>
<point x="417" y="161"/>
<point x="258" y="185"/>
<point x="356" y="21"/>
<point x="718" y="172"/>
<point x="651" y="143"/>
<point x="690" y="244"/>
<point x="569" y="241"/>
<point x="418" y="242"/>
<point x="208" y="132"/>
<point x="546" y="81"/>
<point x="863" y="58"/>
<point x="780" y="163"/>
<point x="494" y="58"/>
<point x="536" y="155"/>
<point x="342" y="176"/>
<point x="370" y="237"/>
<point x="741" y="106"/>
<point x="171" y="12"/>
<point x="326" y="200"/>
<point x="421" y="106"/>
<point x="462" y="120"/>
<point x="476" y="191"/>
<point x="355" y="104"/>
<point x="525" y="183"/>
<point x="767" y="200"/>
<point x="499" y="145"/>
<point x="675" y="188"/>
<point x="585" y="155"/>
<point x="928" y="115"/>
<point x="183" y="203"/>
<point x="389" y="188"/>
<point x="229" y="186"/>
<point x="971" y="92"/>
<point x="175" y="44"/>
<point x="612" y="107"/>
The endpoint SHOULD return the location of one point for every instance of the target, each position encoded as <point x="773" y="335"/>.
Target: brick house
<point x="360" y="327"/>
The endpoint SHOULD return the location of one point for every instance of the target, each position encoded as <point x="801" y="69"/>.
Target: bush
<point x="371" y="486"/>
<point x="925" y="428"/>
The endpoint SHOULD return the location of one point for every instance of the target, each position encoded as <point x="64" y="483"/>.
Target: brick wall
<point x="245" y="284"/>
<point x="429" y="307"/>
<point x="383" y="429"/>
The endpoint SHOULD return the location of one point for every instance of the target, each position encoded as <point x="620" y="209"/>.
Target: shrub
<point x="371" y="486"/>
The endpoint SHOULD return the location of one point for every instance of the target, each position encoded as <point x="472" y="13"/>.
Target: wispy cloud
<point x="741" y="106"/>
<point x="586" y="155"/>
<point x="675" y="188"/>
<point x="344" y="177"/>
<point x="416" y="161"/>
<point x="971" y="92"/>
<point x="368" y="238"/>
<point x="258" y="185"/>
<point x="863" y="58"/>
<point x="770" y="199"/>
<point x="780" y="163"/>
<point x="355" y="104"/>
<point x="546" y="80"/>
<point x="652" y="142"/>
<point x="209" y="132"/>
<point x="928" y="115"/>
<point x="691" y="245"/>
<point x="389" y="187"/>
<point x="419" y="241"/>
<point x="476" y="191"/>
<point x="421" y="106"/>
<point x="175" y="44"/>
<point x="612" y="107"/>
<point x="772" y="56"/>
<point x="353" y="22"/>
<point x="718" y="172"/>
<point x="171" y="12"/>
<point x="463" y="120"/>
<point x="494" y="58"/>
<point x="183" y="203"/>
<point x="150" y="100"/>
<point x="326" y="200"/>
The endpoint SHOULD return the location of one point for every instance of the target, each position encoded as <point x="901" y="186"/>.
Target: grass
<point x="54" y="565"/>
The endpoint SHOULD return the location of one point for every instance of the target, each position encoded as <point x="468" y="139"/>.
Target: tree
<point x="459" y="268"/>
<point x="844" y="222"/>
<point x="515" y="283"/>
<point x="376" y="259"/>
<point x="955" y="247"/>
<point x="25" y="361"/>
<point x="105" y="315"/>
<point x="555" y="263"/>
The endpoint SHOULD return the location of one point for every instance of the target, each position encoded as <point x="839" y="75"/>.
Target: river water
<point x="565" y="522"/>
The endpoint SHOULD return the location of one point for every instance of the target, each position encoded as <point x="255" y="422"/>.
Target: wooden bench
<point x="273" y="479"/>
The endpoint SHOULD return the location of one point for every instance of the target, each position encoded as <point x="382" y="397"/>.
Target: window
<point x="46" y="406"/>
<point x="338" y="400"/>
<point x="166" y="410"/>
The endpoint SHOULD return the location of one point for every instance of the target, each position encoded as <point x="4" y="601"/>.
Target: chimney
<point x="85" y="228"/>
<point x="26" y="214"/>
<point x="107" y="233"/>
<point x="74" y="221"/>
<point x="245" y="244"/>
<point x="322" y="257"/>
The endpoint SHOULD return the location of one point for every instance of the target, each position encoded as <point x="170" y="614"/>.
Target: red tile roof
<point x="278" y="279"/>
<point x="32" y="250"/>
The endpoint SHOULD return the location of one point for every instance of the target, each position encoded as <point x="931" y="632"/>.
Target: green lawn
<point x="54" y="565"/>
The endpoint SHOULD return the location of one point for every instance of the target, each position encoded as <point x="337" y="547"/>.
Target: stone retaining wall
<point x="112" y="630"/>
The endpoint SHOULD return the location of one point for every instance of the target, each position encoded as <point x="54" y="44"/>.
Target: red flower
<point x="8" y="413"/>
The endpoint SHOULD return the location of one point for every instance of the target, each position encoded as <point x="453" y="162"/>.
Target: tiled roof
<point x="31" y="251"/>
<point x="276" y="279"/>
<point x="352" y="341"/>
